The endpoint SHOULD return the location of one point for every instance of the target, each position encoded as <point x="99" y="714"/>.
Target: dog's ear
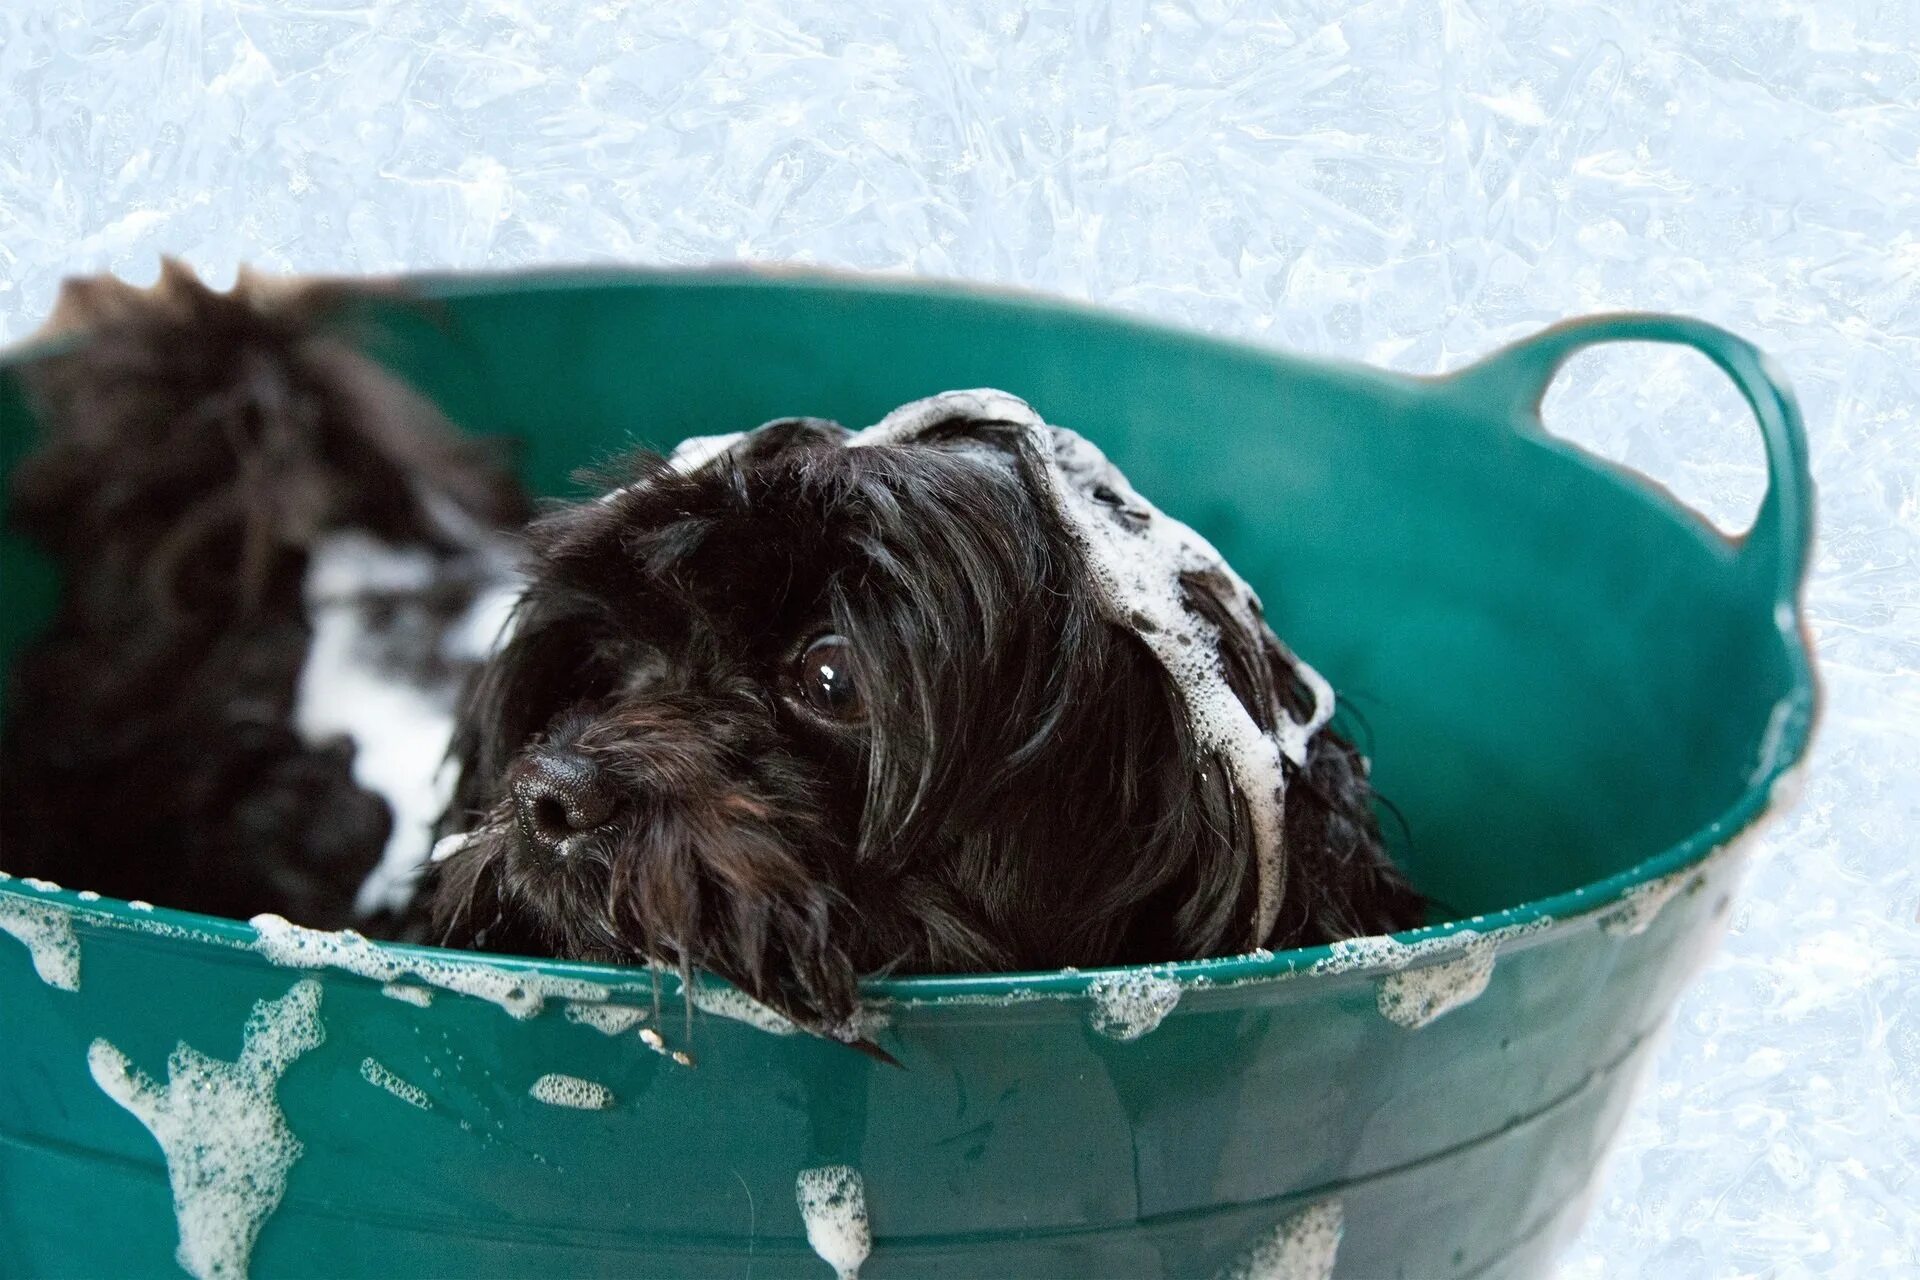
<point x="1185" y="825"/>
<point x="1201" y="825"/>
<point x="1338" y="880"/>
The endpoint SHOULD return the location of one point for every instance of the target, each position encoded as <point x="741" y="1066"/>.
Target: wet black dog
<point x="943" y="695"/>
<point x="277" y="565"/>
<point x="795" y="706"/>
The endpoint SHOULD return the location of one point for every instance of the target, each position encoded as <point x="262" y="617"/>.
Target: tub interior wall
<point x="1553" y="685"/>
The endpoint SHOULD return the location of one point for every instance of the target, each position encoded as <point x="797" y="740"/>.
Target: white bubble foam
<point x="421" y="997"/>
<point x="697" y="451"/>
<point x="1127" y="1006"/>
<point x="47" y="933"/>
<point x="1430" y="977"/>
<point x="731" y="1002"/>
<point x="227" y="1144"/>
<point x="1303" y="1247"/>
<point x="1641" y="905"/>
<point x="1138" y="555"/>
<point x="869" y="1020"/>
<point x="607" y="1019"/>
<point x="44" y="886"/>
<point x="375" y="1073"/>
<point x="833" y="1203"/>
<point x="521" y="994"/>
<point x="557" y="1090"/>
<point x="1416" y="996"/>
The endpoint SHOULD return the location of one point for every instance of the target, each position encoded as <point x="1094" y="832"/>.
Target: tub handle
<point x="1781" y="538"/>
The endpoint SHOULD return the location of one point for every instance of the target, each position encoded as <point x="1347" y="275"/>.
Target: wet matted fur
<point x="981" y="773"/>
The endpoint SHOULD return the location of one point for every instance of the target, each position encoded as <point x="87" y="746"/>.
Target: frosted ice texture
<point x="1408" y="182"/>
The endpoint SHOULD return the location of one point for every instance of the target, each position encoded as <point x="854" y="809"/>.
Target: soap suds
<point x="833" y="1203"/>
<point x="1302" y="1247"/>
<point x="1430" y="977"/>
<point x="869" y="1020"/>
<point x="1127" y="1006"/>
<point x="696" y="452"/>
<point x="521" y="994"/>
<point x="420" y="997"/>
<point x="1416" y="996"/>
<point x="607" y="1019"/>
<point x="1138" y="555"/>
<point x="226" y="1142"/>
<point x="376" y="1074"/>
<point x="44" y="886"/>
<point x="47" y="933"/>
<point x="558" y="1090"/>
<point x="731" y="1002"/>
<point x="1641" y="905"/>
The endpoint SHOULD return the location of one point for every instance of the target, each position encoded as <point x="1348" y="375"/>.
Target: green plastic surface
<point x="1577" y="692"/>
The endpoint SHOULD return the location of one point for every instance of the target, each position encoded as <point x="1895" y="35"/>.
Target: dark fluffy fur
<point x="195" y="444"/>
<point x="1025" y="794"/>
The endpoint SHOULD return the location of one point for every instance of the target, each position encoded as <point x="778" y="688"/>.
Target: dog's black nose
<point x="557" y="795"/>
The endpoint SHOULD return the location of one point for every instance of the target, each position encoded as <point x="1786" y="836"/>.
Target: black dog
<point x="943" y="695"/>
<point x="277" y="565"/>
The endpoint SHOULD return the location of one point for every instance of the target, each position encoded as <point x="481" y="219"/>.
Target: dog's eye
<point x="825" y="680"/>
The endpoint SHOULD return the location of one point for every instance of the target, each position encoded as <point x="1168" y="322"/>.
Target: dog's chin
<point x="654" y="894"/>
<point x="495" y="892"/>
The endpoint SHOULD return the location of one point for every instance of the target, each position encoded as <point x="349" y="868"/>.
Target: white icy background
<point x="1402" y="182"/>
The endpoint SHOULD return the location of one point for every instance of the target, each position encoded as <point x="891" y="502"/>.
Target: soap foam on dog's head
<point x="1138" y="556"/>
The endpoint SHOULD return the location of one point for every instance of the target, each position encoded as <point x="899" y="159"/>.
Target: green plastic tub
<point x="1581" y="697"/>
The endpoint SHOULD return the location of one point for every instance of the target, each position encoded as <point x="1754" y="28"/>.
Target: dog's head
<point x="942" y="695"/>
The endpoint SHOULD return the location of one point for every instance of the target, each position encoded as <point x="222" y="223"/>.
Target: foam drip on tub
<point x="558" y="1090"/>
<point x="833" y="1203"/>
<point x="1302" y="1247"/>
<point x="383" y="1077"/>
<point x="1127" y="1006"/>
<point x="226" y="1141"/>
<point x="607" y="1019"/>
<point x="1415" y="997"/>
<point x="1428" y="978"/>
<point x="47" y="933"/>
<point x="731" y="1002"/>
